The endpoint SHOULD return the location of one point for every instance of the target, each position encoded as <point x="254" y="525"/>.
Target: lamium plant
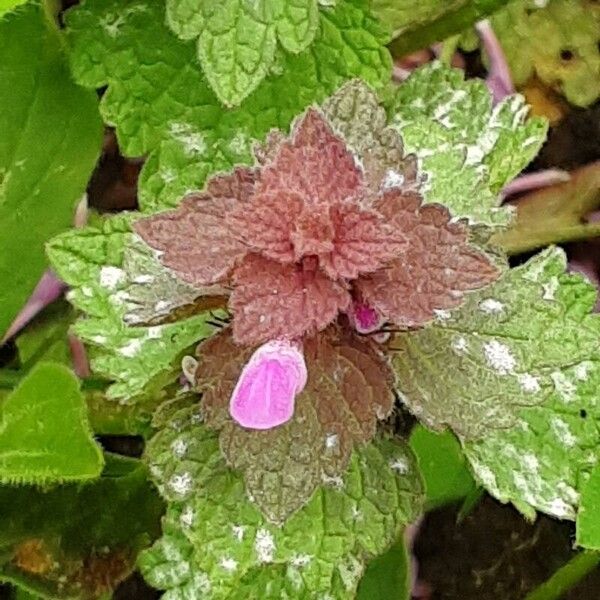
<point x="315" y="266"/>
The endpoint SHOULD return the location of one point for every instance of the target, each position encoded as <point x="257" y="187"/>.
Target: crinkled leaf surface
<point x="452" y="127"/>
<point x="588" y="521"/>
<point x="162" y="105"/>
<point x="40" y="183"/>
<point x="348" y="389"/>
<point x="557" y="42"/>
<point x="78" y="541"/>
<point x="214" y="536"/>
<point x="44" y="433"/>
<point x="139" y="359"/>
<point x="237" y="40"/>
<point x="518" y="364"/>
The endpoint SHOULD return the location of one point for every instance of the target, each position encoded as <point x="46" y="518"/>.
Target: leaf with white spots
<point x="215" y="532"/>
<point x="518" y="385"/>
<point x="110" y="283"/>
<point x="452" y="126"/>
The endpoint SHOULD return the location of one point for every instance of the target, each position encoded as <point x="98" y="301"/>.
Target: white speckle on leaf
<point x="168" y="175"/>
<point x="238" y="532"/>
<point x="111" y="24"/>
<point x="143" y="279"/>
<point x="499" y="357"/>
<point x="531" y="462"/>
<point x="399" y="464"/>
<point x="187" y="516"/>
<point x="331" y="440"/>
<point x="264" y="545"/>
<point x="229" y="564"/>
<point x="459" y="345"/>
<point x="559" y="508"/>
<point x="491" y="306"/>
<point x="132" y="348"/>
<point x="111" y="276"/>
<point x="563" y="432"/>
<point x="300" y="560"/>
<point x="99" y="339"/>
<point x="191" y="139"/>
<point x="441" y="314"/>
<point x="239" y="143"/>
<point x="550" y="289"/>
<point x="569" y="493"/>
<point x="565" y="388"/>
<point x="181" y="484"/>
<point x="179" y="448"/>
<point x="529" y="383"/>
<point x="155" y="332"/>
<point x="581" y="370"/>
<point x="392" y="179"/>
<point x="334" y="481"/>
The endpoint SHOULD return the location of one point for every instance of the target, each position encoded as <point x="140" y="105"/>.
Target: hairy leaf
<point x="452" y="127"/>
<point x="518" y="363"/>
<point x="348" y="389"/>
<point x="216" y="539"/>
<point x="78" y="541"/>
<point x="44" y="433"/>
<point x="555" y="41"/>
<point x="237" y="40"/>
<point x="46" y="156"/>
<point x="139" y="359"/>
<point x="162" y="105"/>
<point x="8" y="5"/>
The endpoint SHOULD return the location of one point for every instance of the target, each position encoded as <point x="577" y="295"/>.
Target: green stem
<point x="566" y="577"/>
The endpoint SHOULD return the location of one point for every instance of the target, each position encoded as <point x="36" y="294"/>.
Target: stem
<point x="566" y="577"/>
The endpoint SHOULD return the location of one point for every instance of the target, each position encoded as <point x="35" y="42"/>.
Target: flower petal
<point x="265" y="393"/>
<point x="271" y="300"/>
<point x="195" y="239"/>
<point x="437" y="267"/>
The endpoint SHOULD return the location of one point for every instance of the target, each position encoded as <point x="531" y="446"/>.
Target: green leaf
<point x="452" y="127"/>
<point x="417" y="25"/>
<point x="95" y="262"/>
<point x="163" y="107"/>
<point x="388" y="576"/>
<point x="443" y="466"/>
<point x="237" y="40"/>
<point x="45" y="338"/>
<point x="225" y="537"/>
<point x="535" y="36"/>
<point x="51" y="136"/>
<point x="588" y="517"/>
<point x="44" y="433"/>
<point x="8" y="5"/>
<point x="518" y="364"/>
<point x="78" y="541"/>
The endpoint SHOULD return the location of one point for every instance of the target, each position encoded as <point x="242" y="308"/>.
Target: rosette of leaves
<point x="328" y="219"/>
<point x="555" y="41"/>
